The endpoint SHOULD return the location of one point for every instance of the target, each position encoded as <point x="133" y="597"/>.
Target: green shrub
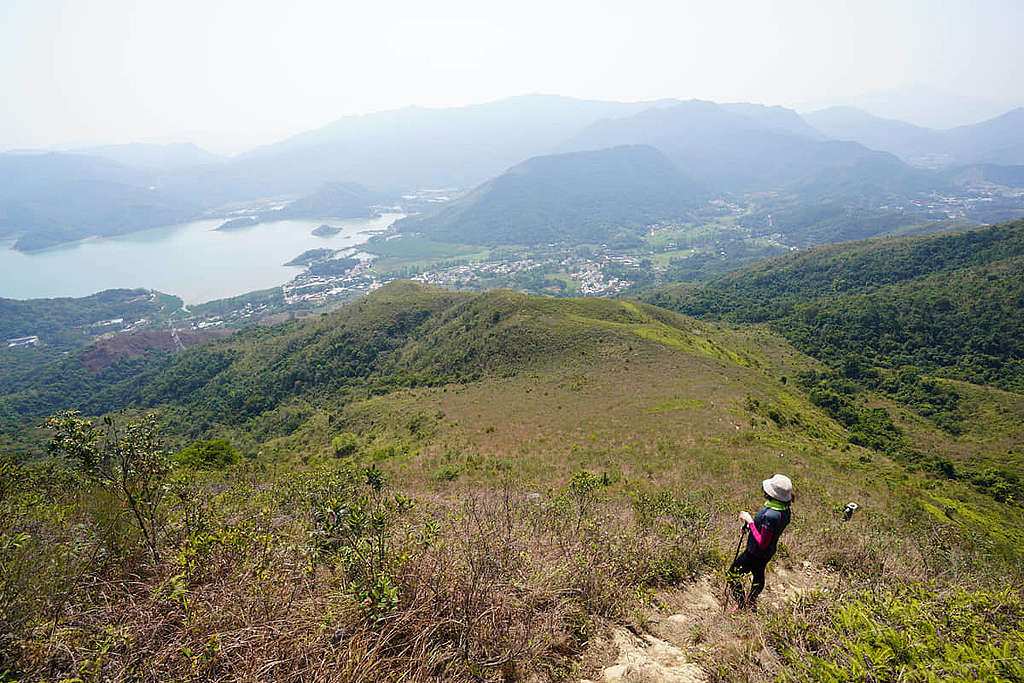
<point x="344" y="444"/>
<point x="126" y="460"/>
<point x="207" y="455"/>
<point x="911" y="633"/>
<point x="448" y="472"/>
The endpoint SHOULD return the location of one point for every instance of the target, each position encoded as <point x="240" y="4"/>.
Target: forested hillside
<point x="950" y="304"/>
<point x="61" y="322"/>
<point x="890" y="317"/>
<point x="582" y="197"/>
<point x="809" y="224"/>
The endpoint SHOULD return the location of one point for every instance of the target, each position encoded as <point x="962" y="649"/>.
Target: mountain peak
<point x="588" y="196"/>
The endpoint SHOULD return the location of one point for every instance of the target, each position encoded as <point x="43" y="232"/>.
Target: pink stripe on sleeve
<point x="763" y="538"/>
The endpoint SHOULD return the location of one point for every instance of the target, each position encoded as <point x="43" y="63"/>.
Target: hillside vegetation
<point x="897" y="318"/>
<point x="432" y="485"/>
<point x="950" y="305"/>
<point x="57" y="322"/>
<point x="405" y="335"/>
<point x="583" y="197"/>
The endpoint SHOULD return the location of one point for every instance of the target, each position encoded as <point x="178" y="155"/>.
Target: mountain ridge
<point x="727" y="150"/>
<point x="949" y="304"/>
<point x="998" y="140"/>
<point x="588" y="196"/>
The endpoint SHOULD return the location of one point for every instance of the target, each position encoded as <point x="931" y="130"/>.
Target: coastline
<point x="189" y="260"/>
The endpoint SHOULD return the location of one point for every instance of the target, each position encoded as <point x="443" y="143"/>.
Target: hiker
<point x="762" y="540"/>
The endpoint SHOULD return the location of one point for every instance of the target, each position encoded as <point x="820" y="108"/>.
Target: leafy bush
<point x="127" y="461"/>
<point x="344" y="444"/>
<point x="912" y="633"/>
<point x="356" y="532"/>
<point x="207" y="455"/>
<point x="448" y="472"/>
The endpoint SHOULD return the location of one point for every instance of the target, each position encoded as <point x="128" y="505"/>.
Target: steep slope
<point x="583" y="197"/>
<point x="493" y="486"/>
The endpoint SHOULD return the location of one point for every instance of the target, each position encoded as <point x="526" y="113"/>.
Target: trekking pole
<point x="736" y="555"/>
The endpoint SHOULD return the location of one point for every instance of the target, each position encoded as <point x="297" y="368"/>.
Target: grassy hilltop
<point x="427" y="484"/>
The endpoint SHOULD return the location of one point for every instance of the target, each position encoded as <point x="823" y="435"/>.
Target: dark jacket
<point x="765" y="531"/>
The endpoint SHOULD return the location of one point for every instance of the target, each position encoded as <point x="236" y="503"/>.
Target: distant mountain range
<point x="995" y="141"/>
<point x="157" y="157"/>
<point x="922" y="106"/>
<point x="415" y="147"/>
<point x="841" y="154"/>
<point x="732" y="148"/>
<point x="47" y="199"/>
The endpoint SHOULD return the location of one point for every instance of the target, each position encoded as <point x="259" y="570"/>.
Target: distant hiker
<point x="762" y="540"/>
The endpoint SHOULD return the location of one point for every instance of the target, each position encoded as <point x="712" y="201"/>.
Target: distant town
<point x="666" y="251"/>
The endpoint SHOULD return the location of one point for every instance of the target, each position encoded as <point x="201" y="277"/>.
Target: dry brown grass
<point x="499" y="586"/>
<point x="499" y="576"/>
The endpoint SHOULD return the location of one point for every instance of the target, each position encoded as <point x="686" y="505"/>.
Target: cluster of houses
<point x="22" y="342"/>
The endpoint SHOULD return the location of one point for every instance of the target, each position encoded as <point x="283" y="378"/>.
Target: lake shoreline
<point x="191" y="260"/>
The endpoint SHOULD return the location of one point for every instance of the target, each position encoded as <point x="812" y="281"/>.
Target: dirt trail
<point x="649" y="659"/>
<point x="694" y="629"/>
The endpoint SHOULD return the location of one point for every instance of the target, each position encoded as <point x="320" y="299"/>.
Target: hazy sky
<point x="228" y="74"/>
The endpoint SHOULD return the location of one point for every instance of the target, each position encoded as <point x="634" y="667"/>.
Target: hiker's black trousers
<point x="743" y="564"/>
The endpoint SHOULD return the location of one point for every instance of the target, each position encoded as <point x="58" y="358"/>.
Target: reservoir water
<point x="191" y="260"/>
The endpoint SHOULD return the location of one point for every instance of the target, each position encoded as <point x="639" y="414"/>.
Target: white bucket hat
<point x="779" y="487"/>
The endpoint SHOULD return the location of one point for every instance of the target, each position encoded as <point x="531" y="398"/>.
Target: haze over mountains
<point x="726" y="148"/>
<point x="922" y="105"/>
<point x="580" y="196"/>
<point x="158" y="157"/>
<point x="997" y="141"/>
<point x="325" y="387"/>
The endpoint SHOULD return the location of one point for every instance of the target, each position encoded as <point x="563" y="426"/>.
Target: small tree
<point x="356" y="530"/>
<point x="128" y="462"/>
<point x="582" y="488"/>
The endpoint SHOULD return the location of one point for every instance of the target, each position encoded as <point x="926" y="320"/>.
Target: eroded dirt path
<point x="680" y="642"/>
